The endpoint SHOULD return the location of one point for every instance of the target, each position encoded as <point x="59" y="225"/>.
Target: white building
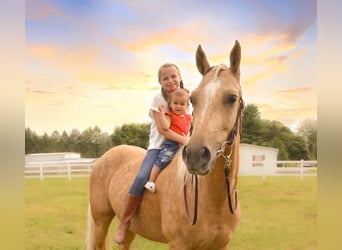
<point x="43" y="157"/>
<point x="257" y="160"/>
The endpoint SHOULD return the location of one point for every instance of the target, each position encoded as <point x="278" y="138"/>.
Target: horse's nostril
<point x="204" y="154"/>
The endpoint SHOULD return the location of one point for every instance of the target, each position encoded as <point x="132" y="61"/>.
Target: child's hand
<point x="161" y="108"/>
<point x="185" y="139"/>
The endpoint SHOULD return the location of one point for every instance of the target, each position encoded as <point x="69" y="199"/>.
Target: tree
<point x="93" y="143"/>
<point x="75" y="141"/>
<point x="279" y="144"/>
<point x="31" y="140"/>
<point x="251" y="125"/>
<point x="132" y="134"/>
<point x="308" y="131"/>
<point x="271" y="134"/>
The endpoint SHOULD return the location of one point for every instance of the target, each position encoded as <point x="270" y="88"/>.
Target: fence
<point x="71" y="169"/>
<point x="57" y="169"/>
<point x="301" y="168"/>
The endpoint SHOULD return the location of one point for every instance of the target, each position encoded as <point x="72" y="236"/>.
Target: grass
<point x="277" y="213"/>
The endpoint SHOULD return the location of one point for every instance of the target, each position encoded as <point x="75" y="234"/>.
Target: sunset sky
<point x="95" y="62"/>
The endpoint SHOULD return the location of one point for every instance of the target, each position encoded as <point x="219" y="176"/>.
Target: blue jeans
<point x="168" y="150"/>
<point x="137" y="188"/>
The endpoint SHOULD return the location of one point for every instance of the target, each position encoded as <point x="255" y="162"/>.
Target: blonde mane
<point x="182" y="174"/>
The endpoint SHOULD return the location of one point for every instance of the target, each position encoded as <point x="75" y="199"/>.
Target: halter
<point x="227" y="158"/>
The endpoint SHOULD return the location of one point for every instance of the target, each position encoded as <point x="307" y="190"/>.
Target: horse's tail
<point x="89" y="243"/>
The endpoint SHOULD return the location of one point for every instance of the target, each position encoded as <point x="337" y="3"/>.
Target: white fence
<point x="57" y="169"/>
<point x="71" y="169"/>
<point x="301" y="168"/>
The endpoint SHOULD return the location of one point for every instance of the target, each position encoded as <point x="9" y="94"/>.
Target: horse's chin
<point x="198" y="172"/>
<point x="199" y="169"/>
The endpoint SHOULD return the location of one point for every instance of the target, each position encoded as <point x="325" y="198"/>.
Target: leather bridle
<point x="237" y="128"/>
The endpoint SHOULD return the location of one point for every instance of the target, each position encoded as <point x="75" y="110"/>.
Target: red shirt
<point x="180" y="123"/>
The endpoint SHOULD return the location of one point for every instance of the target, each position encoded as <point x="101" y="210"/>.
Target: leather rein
<point x="227" y="158"/>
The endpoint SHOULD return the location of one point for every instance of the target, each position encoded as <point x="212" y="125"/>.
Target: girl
<point x="177" y="120"/>
<point x="169" y="79"/>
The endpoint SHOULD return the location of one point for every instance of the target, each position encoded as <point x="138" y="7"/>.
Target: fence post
<point x="69" y="171"/>
<point x="41" y="171"/>
<point x="301" y="169"/>
<point x="263" y="171"/>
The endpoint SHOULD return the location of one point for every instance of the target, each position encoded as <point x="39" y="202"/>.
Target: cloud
<point x="39" y="10"/>
<point x="285" y="17"/>
<point x="169" y="36"/>
<point x="84" y="64"/>
<point x="296" y="102"/>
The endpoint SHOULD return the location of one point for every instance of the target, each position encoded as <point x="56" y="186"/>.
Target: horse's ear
<point x="235" y="58"/>
<point x="201" y="60"/>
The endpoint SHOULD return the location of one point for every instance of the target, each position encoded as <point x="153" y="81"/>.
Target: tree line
<point x="92" y="142"/>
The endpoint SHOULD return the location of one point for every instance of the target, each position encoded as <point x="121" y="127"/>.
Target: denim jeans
<point x="137" y="188"/>
<point x="168" y="150"/>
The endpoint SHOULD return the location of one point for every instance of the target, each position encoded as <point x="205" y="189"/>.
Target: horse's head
<point x="217" y="104"/>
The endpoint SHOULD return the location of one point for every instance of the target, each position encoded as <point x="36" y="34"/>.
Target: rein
<point x="227" y="164"/>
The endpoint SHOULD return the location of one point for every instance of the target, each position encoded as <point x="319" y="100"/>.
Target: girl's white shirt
<point x="156" y="139"/>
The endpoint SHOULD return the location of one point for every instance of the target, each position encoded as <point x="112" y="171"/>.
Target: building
<point x="43" y="157"/>
<point x="257" y="160"/>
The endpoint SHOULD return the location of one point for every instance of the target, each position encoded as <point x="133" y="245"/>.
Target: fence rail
<point x="303" y="168"/>
<point x="59" y="169"/>
<point x="72" y="169"/>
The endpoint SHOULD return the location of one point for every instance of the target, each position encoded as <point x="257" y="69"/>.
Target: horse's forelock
<point x="218" y="68"/>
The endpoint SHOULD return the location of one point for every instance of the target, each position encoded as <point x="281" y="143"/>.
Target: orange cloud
<point x="173" y="35"/>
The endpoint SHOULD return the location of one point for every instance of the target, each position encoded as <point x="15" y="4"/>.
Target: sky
<point x="94" y="62"/>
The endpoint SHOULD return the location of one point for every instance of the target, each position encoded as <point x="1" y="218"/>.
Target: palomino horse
<point x="195" y="206"/>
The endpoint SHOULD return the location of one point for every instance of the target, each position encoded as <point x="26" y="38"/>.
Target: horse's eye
<point x="230" y="99"/>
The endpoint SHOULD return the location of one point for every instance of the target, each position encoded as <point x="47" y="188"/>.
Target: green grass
<point x="277" y="213"/>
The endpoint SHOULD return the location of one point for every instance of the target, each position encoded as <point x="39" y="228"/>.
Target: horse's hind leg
<point x="101" y="230"/>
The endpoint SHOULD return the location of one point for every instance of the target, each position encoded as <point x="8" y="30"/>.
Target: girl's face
<point x="179" y="104"/>
<point x="169" y="79"/>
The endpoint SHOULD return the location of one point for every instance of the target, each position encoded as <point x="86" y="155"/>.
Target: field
<point x="277" y="213"/>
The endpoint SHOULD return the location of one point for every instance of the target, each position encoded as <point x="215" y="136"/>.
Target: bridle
<point x="237" y="128"/>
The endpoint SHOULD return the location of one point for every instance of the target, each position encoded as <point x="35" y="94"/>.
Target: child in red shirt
<point x="177" y="120"/>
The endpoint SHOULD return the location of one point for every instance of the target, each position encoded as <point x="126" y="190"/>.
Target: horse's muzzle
<point x="197" y="159"/>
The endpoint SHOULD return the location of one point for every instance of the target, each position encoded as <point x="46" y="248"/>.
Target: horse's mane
<point x="182" y="173"/>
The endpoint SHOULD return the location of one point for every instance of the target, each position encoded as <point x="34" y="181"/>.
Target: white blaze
<point x="209" y="95"/>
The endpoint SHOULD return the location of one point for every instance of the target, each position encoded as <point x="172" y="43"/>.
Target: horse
<point x="196" y="204"/>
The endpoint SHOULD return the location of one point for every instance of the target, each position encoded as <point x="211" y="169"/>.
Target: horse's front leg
<point x="179" y="244"/>
<point x="128" y="240"/>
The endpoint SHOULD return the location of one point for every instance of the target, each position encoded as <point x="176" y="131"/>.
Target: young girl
<point x="169" y="79"/>
<point x="177" y="120"/>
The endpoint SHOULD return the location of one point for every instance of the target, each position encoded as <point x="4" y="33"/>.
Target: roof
<point x="258" y="147"/>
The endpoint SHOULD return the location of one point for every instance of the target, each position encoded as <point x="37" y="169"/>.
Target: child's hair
<point x="181" y="93"/>
<point x="169" y="65"/>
